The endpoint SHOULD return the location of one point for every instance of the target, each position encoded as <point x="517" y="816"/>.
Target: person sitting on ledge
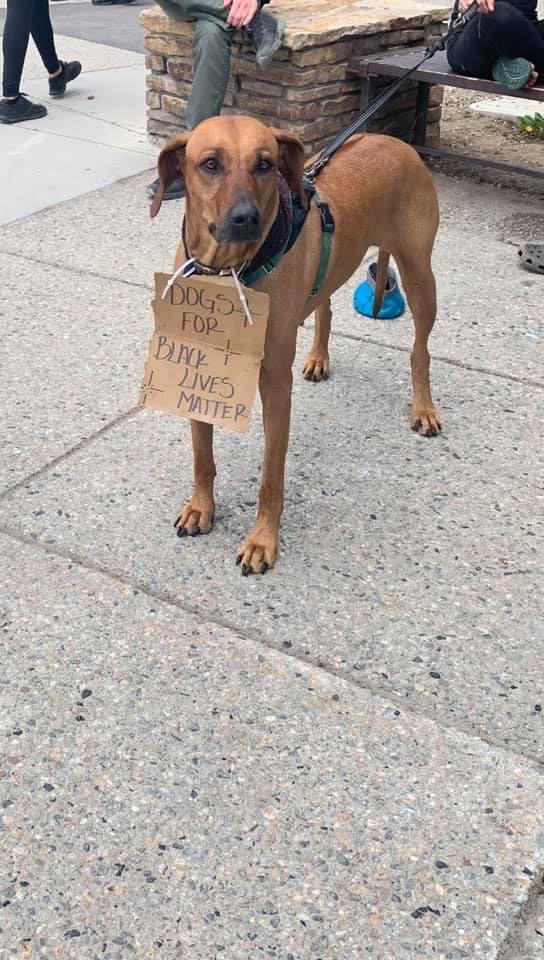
<point x="215" y="24"/>
<point x="505" y="41"/>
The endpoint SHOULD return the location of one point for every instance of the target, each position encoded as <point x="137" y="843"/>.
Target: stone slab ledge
<point x="312" y="23"/>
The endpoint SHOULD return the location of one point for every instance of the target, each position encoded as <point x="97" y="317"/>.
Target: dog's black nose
<point x="244" y="214"/>
<point x="241" y="223"/>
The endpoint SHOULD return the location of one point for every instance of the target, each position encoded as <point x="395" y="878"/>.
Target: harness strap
<point x="327" y="228"/>
<point x="251" y="276"/>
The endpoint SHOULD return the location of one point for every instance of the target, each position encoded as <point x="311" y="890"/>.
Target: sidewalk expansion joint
<point x="204" y="616"/>
<point x="67" y="109"/>
<point x="373" y="341"/>
<point x="530" y="916"/>
<point x="58" y="205"/>
<point x="147" y="154"/>
<point x="438" y="358"/>
<point x="78" y="271"/>
<point x="80" y="445"/>
<point x="120" y="66"/>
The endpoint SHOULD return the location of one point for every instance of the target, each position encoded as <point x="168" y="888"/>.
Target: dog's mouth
<point x="226" y="240"/>
<point x="225" y="234"/>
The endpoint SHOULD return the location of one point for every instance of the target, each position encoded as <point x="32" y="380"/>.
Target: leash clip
<point x="316" y="168"/>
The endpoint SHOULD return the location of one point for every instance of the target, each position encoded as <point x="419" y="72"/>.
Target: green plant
<point x="532" y="126"/>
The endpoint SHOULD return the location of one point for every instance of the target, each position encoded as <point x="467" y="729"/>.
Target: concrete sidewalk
<point x="342" y="759"/>
<point x="92" y="137"/>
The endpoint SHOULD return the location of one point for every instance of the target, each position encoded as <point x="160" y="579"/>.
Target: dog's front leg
<point x="197" y="514"/>
<point x="260" y="550"/>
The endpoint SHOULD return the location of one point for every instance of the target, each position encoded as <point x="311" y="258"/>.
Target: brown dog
<point x="379" y="193"/>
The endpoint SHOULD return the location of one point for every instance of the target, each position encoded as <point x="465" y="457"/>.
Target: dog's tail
<point x="381" y="280"/>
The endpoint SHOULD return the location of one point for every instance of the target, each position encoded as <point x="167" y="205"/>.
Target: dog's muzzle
<point x="241" y="224"/>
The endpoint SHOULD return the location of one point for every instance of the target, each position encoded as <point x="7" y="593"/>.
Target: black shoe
<point x="15" y="111"/>
<point x="265" y="32"/>
<point x="57" y="85"/>
<point x="176" y="190"/>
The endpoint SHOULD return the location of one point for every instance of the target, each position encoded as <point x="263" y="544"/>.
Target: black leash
<point x="364" y="117"/>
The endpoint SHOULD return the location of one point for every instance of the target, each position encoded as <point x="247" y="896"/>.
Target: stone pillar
<point x="307" y="89"/>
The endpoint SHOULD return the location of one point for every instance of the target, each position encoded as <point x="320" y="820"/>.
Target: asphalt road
<point x="115" y="25"/>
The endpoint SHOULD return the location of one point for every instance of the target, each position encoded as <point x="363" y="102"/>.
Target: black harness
<point x="281" y="237"/>
<point x="292" y="214"/>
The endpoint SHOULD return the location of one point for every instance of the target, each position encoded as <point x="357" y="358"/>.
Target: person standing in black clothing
<point x="504" y="41"/>
<point x="23" y="18"/>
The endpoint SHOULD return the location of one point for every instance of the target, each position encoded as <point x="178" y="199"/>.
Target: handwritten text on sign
<point x="204" y="358"/>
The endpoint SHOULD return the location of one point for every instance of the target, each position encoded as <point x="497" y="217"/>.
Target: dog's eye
<point x="264" y="165"/>
<point x="210" y="165"/>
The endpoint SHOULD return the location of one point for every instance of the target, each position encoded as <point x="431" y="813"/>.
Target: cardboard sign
<point x="204" y="357"/>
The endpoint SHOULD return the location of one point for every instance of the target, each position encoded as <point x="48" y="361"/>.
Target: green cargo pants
<point x="211" y="54"/>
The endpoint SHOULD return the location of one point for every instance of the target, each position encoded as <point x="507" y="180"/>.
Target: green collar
<point x="265" y="268"/>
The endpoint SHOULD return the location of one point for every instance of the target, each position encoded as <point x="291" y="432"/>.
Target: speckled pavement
<point x="174" y="789"/>
<point x="343" y="759"/>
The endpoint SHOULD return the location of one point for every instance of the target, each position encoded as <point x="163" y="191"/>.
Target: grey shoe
<point x="176" y="190"/>
<point x="265" y="32"/>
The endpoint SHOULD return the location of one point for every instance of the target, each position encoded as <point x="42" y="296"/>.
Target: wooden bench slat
<point x="436" y="70"/>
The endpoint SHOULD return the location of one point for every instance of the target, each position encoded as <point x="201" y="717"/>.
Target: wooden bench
<point x="434" y="71"/>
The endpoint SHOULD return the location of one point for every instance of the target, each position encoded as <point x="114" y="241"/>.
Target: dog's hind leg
<point x="197" y="514"/>
<point x="420" y="288"/>
<point x="316" y="365"/>
<point x="381" y="282"/>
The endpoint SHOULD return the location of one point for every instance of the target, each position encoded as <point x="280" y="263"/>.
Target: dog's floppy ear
<point x="291" y="162"/>
<point x="170" y="165"/>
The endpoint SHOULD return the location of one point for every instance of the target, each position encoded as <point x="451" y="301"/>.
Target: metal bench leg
<point x="368" y="93"/>
<point x="422" y="109"/>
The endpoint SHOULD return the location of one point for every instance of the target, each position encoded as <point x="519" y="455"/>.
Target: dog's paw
<point x="258" y="553"/>
<point x="316" y="367"/>
<point x="426" y="421"/>
<point x="196" y="517"/>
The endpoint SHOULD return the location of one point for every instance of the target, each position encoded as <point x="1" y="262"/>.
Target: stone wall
<point x="307" y="89"/>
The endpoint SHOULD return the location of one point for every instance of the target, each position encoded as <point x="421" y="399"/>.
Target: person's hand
<point x="533" y="78"/>
<point x="241" y="12"/>
<point x="484" y="6"/>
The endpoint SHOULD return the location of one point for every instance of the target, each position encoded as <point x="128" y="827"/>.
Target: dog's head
<point x="230" y="167"/>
